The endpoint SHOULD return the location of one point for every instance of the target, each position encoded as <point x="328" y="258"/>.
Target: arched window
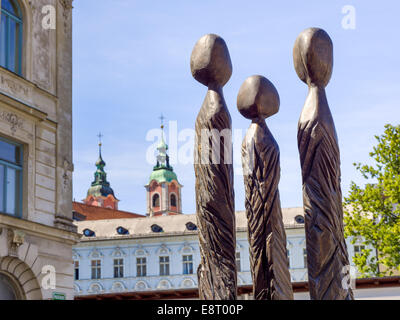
<point x="156" y="200"/>
<point x="11" y="36"/>
<point x="173" y="200"/>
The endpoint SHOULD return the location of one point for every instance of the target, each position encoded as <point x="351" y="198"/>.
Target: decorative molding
<point x="96" y="287"/>
<point x="16" y="238"/>
<point x="67" y="7"/>
<point x="187" y="283"/>
<point x="141" y="251"/>
<point x="14" y="121"/>
<point x="141" y="285"/>
<point x="13" y="86"/>
<point x="118" y="252"/>
<point x="186" y="248"/>
<point x="163" y="249"/>
<point x="67" y="174"/>
<point x="118" y="286"/>
<point x="95" y="253"/>
<point x="76" y="255"/>
<point x="164" y="284"/>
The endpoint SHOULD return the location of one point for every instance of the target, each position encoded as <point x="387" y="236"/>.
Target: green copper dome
<point x="163" y="174"/>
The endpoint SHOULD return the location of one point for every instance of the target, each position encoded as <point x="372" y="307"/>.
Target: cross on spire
<point x="100" y="136"/>
<point x="162" y="118"/>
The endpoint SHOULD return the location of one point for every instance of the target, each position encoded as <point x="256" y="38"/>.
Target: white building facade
<point x="162" y="253"/>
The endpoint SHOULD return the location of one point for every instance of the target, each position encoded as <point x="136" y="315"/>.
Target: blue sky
<point x="131" y="63"/>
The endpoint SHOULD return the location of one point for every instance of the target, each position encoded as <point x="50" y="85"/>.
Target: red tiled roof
<point x="99" y="213"/>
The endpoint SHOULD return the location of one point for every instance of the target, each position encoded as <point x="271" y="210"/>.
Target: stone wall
<point x="36" y="111"/>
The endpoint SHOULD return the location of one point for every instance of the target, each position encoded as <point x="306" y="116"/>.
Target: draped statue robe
<point x="215" y="200"/>
<point x="327" y="257"/>
<point x="266" y="232"/>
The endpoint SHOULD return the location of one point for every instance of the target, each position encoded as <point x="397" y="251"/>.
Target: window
<point x="89" y="233"/>
<point x="358" y="249"/>
<point x="188" y="264"/>
<point x="164" y="266"/>
<point x="122" y="231"/>
<point x="141" y="267"/>
<point x="173" y="200"/>
<point x="305" y="257"/>
<point x="156" y="200"/>
<point x="191" y="226"/>
<point x="238" y="268"/>
<point x="10" y="178"/>
<point x="11" y="36"/>
<point x="299" y="219"/>
<point x="96" y="269"/>
<point x="76" y="270"/>
<point x="118" y="268"/>
<point x="288" y="256"/>
<point x="156" y="228"/>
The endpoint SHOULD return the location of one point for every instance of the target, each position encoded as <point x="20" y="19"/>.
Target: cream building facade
<point x="36" y="229"/>
<point x="140" y="256"/>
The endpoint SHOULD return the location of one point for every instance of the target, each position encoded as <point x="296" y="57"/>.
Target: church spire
<point x="162" y="157"/>
<point x="163" y="189"/>
<point x="100" y="187"/>
<point x="100" y="177"/>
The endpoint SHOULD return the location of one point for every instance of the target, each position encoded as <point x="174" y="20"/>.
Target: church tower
<point x="164" y="190"/>
<point x="100" y="193"/>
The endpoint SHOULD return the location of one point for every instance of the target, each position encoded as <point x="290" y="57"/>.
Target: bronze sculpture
<point x="258" y="99"/>
<point x="327" y="255"/>
<point x="211" y="65"/>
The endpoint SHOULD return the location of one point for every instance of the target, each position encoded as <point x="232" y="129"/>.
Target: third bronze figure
<point x="327" y="257"/>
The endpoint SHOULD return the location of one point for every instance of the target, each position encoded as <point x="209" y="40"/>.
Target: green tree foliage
<point x="372" y="213"/>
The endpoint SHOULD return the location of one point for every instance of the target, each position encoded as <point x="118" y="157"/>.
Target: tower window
<point x="173" y="200"/>
<point x="156" y="200"/>
<point x="11" y="36"/>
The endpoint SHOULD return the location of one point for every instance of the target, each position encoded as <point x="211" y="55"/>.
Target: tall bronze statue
<point x="211" y="65"/>
<point x="258" y="100"/>
<point x="327" y="256"/>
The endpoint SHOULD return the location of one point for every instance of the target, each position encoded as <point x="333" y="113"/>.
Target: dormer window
<point x="11" y="36"/>
<point x="89" y="233"/>
<point x="191" y="226"/>
<point x="299" y="219"/>
<point x="122" y="231"/>
<point x="156" y="228"/>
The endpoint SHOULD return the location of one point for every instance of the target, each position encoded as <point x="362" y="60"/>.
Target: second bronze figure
<point x="258" y="99"/>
